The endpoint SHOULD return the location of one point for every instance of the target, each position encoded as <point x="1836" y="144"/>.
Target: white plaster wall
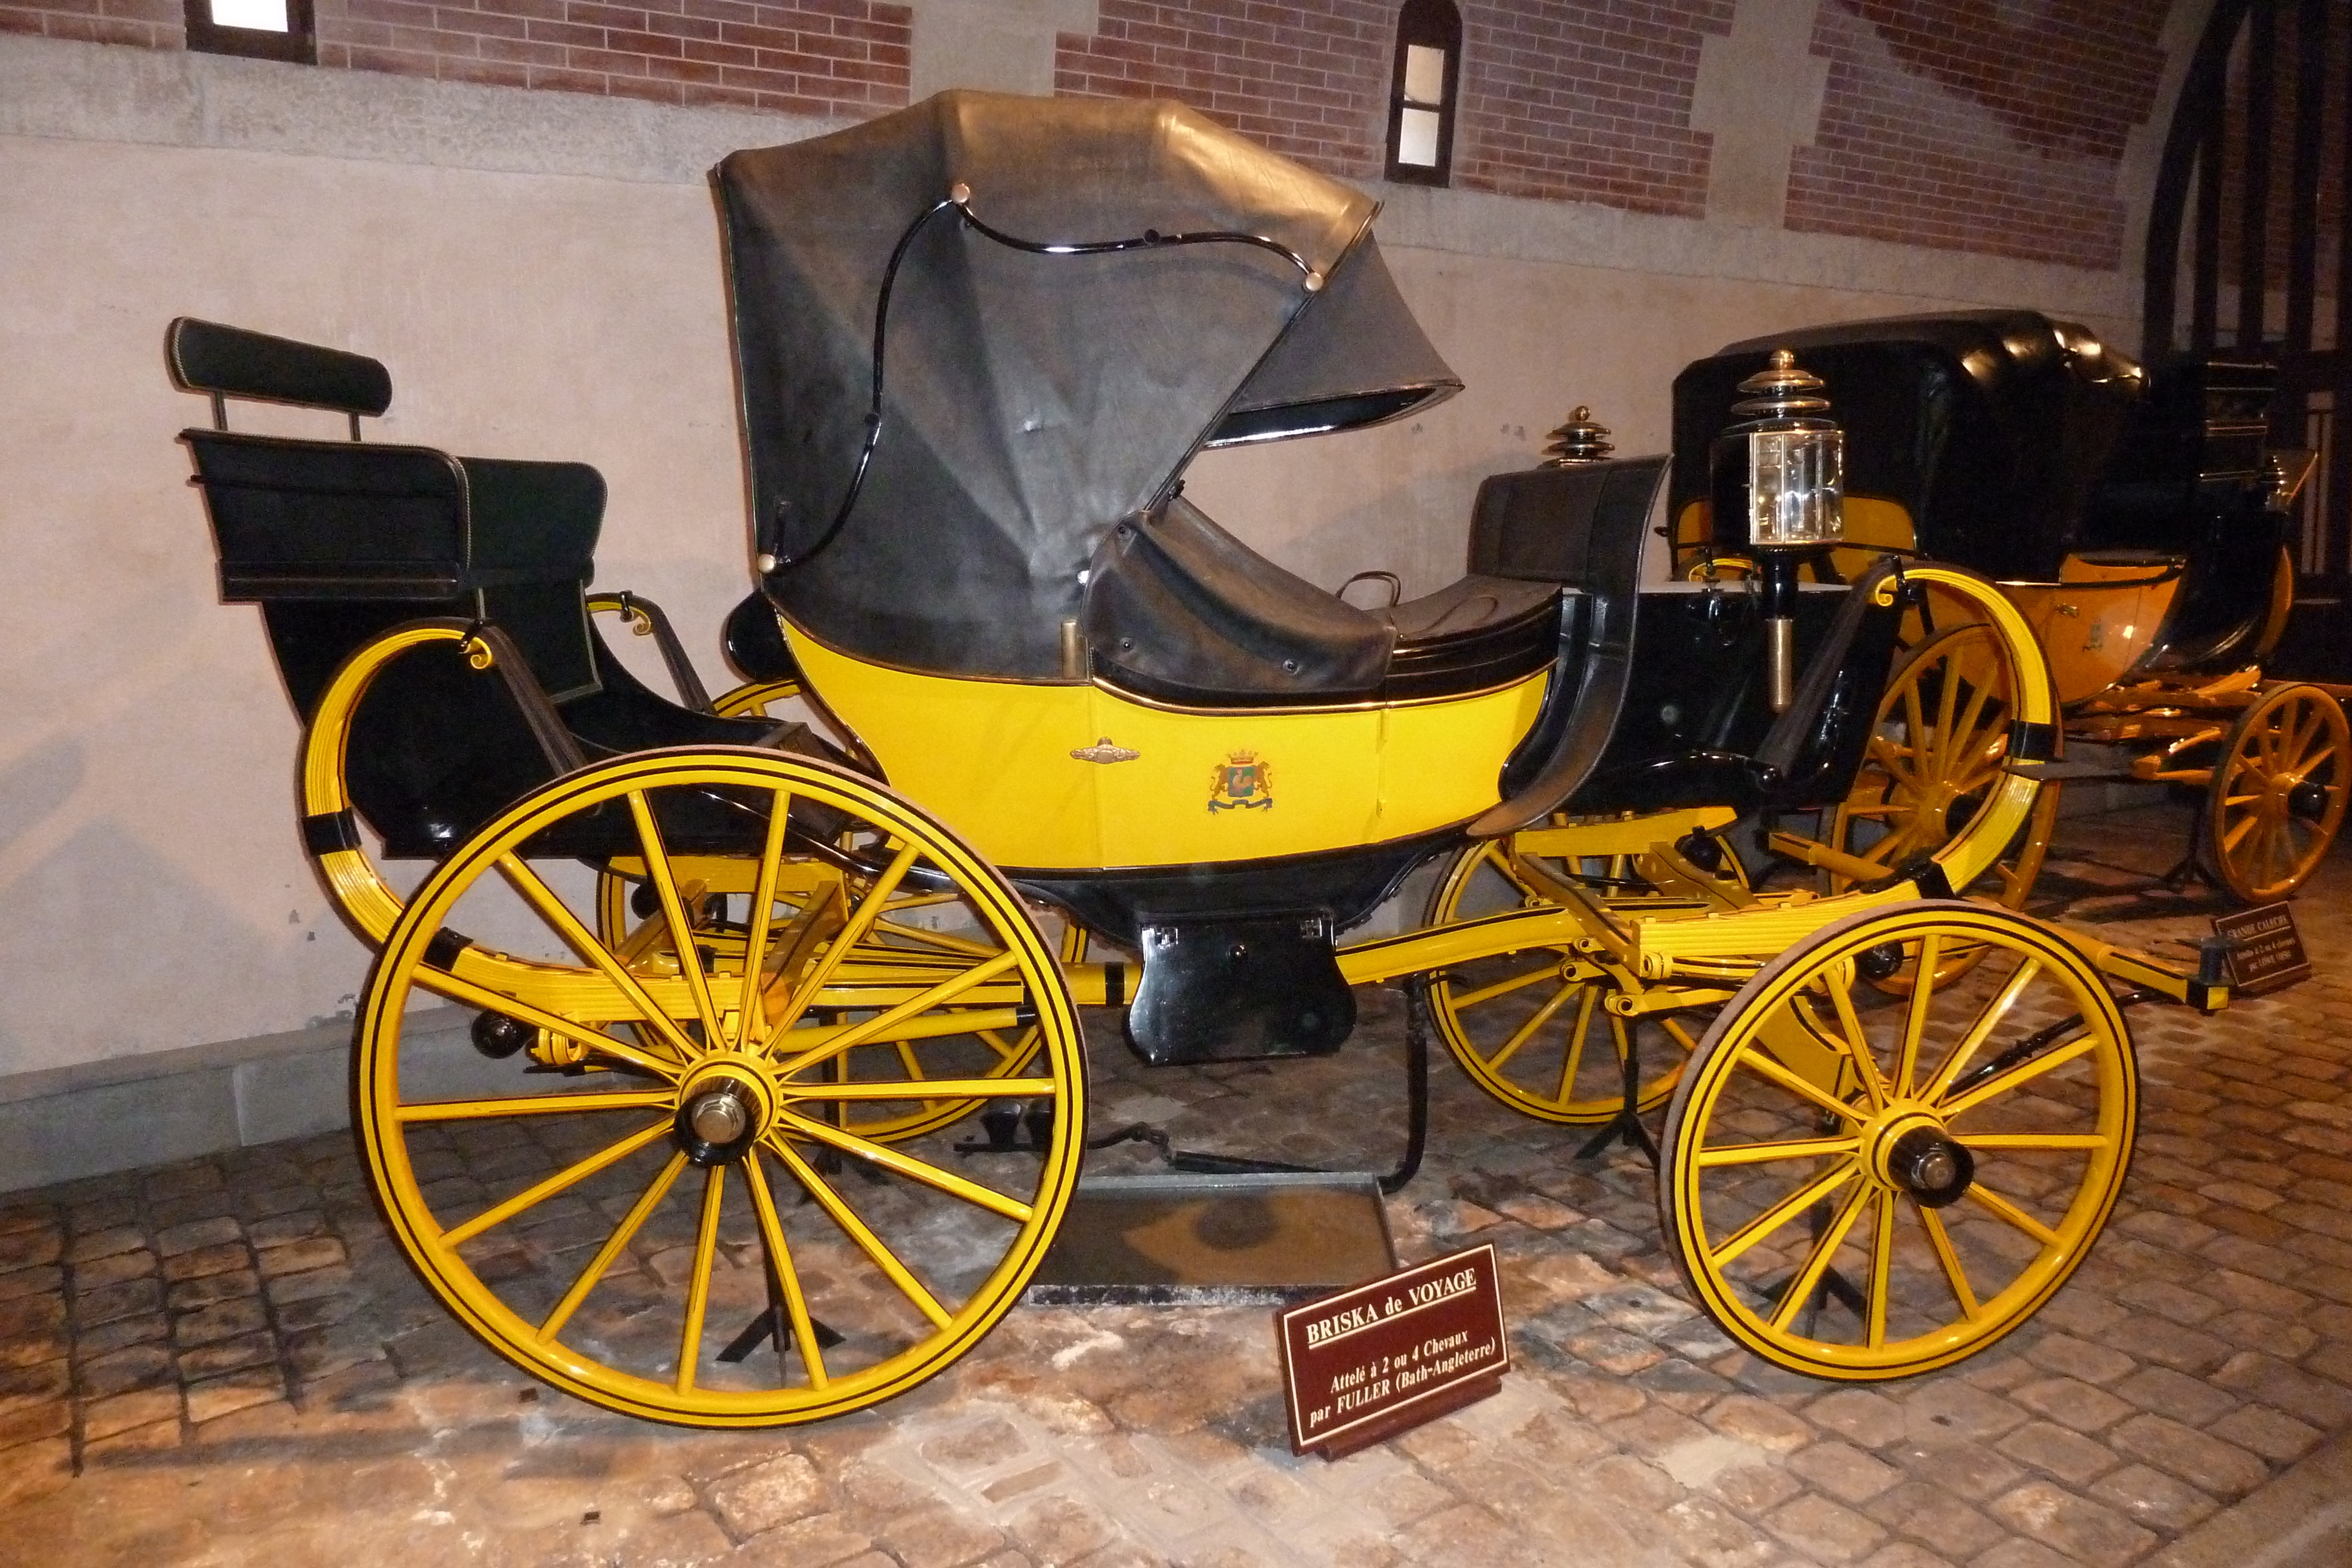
<point x="539" y="272"/>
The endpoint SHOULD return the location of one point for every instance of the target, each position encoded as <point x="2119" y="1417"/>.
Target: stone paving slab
<point x="226" y="1362"/>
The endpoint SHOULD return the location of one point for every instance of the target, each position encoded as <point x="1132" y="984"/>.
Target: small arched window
<point x="1421" y="92"/>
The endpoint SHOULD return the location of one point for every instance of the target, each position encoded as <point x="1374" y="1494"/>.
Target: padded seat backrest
<point x="1580" y="525"/>
<point x="412" y="531"/>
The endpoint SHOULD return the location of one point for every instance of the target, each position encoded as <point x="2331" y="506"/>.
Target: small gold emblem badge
<point x="1104" y="751"/>
<point x="1243" y="782"/>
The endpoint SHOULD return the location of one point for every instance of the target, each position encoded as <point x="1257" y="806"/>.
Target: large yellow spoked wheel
<point x="697" y="1181"/>
<point x="1936" y="754"/>
<point x="2278" y="792"/>
<point x="1861" y="1187"/>
<point x="1529" y="1028"/>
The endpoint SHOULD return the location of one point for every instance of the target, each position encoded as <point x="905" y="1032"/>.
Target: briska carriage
<point x="2141" y="519"/>
<point x="737" y="986"/>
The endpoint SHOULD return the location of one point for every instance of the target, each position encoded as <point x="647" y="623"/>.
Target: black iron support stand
<point x="1625" y="1126"/>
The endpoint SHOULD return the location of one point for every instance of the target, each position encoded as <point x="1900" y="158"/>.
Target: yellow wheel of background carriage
<point x="610" y="1232"/>
<point x="1527" y="1027"/>
<point x="751" y="699"/>
<point x="1858" y="1185"/>
<point x="1936" y="752"/>
<point x="2278" y="791"/>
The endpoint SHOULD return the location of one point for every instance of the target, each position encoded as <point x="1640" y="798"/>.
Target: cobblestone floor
<point x="226" y="1362"/>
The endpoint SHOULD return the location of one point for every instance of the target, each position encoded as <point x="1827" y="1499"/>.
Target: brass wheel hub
<point x="1910" y="1152"/>
<point x="724" y="1106"/>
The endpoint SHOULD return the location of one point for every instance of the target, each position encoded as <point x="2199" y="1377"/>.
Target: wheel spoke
<point x="1955" y="1275"/>
<point x="498" y="1214"/>
<point x="1881" y="1268"/>
<point x="861" y="919"/>
<point x="1856" y="1041"/>
<point x="906" y="1165"/>
<point x="697" y="1290"/>
<point x="1817" y="1262"/>
<point x="756" y="921"/>
<point x="1757" y="1062"/>
<point x="1992" y="1088"/>
<point x="1536" y="1020"/>
<point x="1915" y="1016"/>
<point x="2036" y="1140"/>
<point x="1782" y="1212"/>
<point x="1980" y="1028"/>
<point x="623" y="1233"/>
<point x="1779" y="1149"/>
<point x="486" y="1000"/>
<point x="2002" y="1209"/>
<point x="1573" y="1059"/>
<point x="534" y="1106"/>
<point x="873" y="1246"/>
<point x="681" y="929"/>
<point x="880" y="1025"/>
<point x="780" y="1265"/>
<point x="920" y="1089"/>
<point x="583" y="941"/>
<point x="1468" y="999"/>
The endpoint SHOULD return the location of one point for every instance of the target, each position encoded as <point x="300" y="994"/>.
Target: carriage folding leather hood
<point x="1032" y="401"/>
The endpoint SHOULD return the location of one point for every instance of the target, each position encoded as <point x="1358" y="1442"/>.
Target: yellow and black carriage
<point x="2141" y="520"/>
<point x="738" y="983"/>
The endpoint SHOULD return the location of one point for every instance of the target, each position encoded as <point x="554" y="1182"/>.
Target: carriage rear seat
<point x="340" y="541"/>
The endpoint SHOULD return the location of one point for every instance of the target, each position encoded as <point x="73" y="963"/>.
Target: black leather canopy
<point x="1030" y="402"/>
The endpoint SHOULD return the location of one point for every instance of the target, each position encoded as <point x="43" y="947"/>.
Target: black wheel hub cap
<point x="1931" y="1165"/>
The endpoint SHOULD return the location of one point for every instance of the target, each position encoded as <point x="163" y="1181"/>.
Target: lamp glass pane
<point x="264" y="15"/>
<point x="1424" y="74"/>
<point x="1796" y="480"/>
<point x="1417" y="138"/>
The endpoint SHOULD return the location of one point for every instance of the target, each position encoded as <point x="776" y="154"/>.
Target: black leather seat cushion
<point x="1178" y="609"/>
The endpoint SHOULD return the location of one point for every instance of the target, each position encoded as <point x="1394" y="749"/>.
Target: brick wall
<point x="1585" y="100"/>
<point x="1984" y="125"/>
<point x="148" y="23"/>
<point x="825" y="58"/>
<point x="1309" y="79"/>
<point x="800" y="56"/>
<point x="1945" y="124"/>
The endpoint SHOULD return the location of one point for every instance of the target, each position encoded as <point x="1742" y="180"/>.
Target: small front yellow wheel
<point x="1936" y="756"/>
<point x="695" y="1177"/>
<point x="1858" y="1185"/>
<point x="2278" y="793"/>
<point x="1530" y="1027"/>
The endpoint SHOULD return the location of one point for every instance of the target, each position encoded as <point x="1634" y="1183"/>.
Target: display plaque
<point x="1372" y="1361"/>
<point x="2265" y="950"/>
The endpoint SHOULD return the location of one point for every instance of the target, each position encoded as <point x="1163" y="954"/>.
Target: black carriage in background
<point x="2137" y="515"/>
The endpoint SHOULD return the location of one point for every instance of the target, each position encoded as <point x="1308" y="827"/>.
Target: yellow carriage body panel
<point x="2097" y="618"/>
<point x="1033" y="773"/>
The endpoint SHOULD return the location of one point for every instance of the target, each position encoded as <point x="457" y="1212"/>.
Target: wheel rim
<point x="1525" y="1028"/>
<point x="2278" y="793"/>
<point x="1786" y="1145"/>
<point x="1935" y="750"/>
<point x="751" y="698"/>
<point x="611" y="1241"/>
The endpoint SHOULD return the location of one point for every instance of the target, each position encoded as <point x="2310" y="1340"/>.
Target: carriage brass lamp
<point x="1783" y="466"/>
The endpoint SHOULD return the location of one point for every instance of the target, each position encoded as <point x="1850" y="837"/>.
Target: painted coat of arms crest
<point x="1243" y="782"/>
